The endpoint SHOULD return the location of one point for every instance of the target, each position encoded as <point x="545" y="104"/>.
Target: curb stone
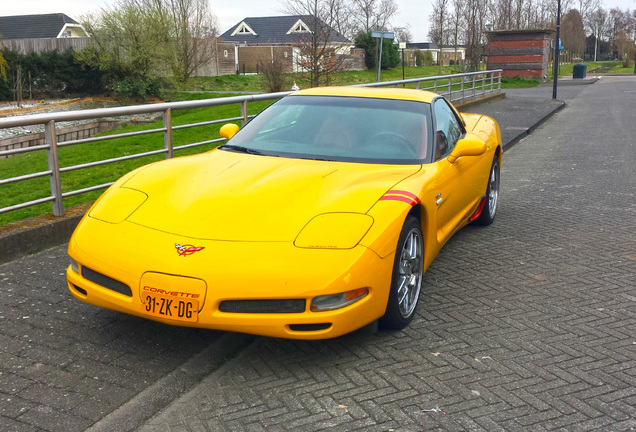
<point x="160" y="394"/>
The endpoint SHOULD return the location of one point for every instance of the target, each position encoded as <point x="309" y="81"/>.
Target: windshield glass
<point x="339" y="128"/>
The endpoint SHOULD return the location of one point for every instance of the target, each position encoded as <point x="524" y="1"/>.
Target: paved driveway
<point x="529" y="324"/>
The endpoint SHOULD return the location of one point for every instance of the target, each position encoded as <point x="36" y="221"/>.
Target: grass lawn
<point x="567" y="69"/>
<point x="620" y="69"/>
<point x="232" y="84"/>
<point x="254" y="83"/>
<point x="22" y="164"/>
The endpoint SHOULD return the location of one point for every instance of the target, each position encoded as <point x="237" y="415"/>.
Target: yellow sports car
<point x="316" y="218"/>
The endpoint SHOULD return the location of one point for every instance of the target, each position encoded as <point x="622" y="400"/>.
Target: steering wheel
<point x="393" y="138"/>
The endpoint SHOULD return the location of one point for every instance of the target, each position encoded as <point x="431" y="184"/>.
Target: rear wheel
<point x="487" y="215"/>
<point x="406" y="281"/>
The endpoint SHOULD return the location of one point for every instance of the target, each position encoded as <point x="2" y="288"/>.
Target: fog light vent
<point x="263" y="306"/>
<point x="106" y="282"/>
<point x="309" y="327"/>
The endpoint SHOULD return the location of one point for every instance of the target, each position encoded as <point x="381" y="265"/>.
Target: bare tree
<point x="475" y="12"/>
<point x="127" y="36"/>
<point x="145" y="36"/>
<point x="573" y="33"/>
<point x="456" y="25"/>
<point x="193" y="30"/>
<point x="273" y="70"/>
<point x="621" y="26"/>
<point x="369" y="15"/>
<point x="318" y="53"/>
<point x="586" y="7"/>
<point x="598" y="19"/>
<point x="403" y="34"/>
<point x="439" y="17"/>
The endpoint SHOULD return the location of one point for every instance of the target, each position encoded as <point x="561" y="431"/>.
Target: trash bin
<point x="580" y="70"/>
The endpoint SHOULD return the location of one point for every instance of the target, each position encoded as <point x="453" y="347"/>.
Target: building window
<point x="299" y="27"/>
<point x="225" y="53"/>
<point x="243" y="29"/>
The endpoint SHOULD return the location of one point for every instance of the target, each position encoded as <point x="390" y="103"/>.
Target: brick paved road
<point x="65" y="364"/>
<point x="529" y="324"/>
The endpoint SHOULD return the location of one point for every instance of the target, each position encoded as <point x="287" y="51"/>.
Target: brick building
<point x="523" y="53"/>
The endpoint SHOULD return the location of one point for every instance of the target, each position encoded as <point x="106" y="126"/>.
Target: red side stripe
<point x="409" y="201"/>
<point x="408" y="194"/>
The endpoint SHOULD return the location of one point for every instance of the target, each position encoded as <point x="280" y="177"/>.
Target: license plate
<point x="170" y="307"/>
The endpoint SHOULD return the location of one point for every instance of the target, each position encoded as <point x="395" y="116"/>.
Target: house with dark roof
<point x="44" y="32"/>
<point x="450" y="53"/>
<point x="262" y="38"/>
<point x="57" y="25"/>
<point x="290" y="30"/>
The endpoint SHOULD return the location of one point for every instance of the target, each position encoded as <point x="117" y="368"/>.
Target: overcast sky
<point x="412" y="12"/>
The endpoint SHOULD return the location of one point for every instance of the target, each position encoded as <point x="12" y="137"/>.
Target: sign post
<point x="402" y="47"/>
<point x="555" y="68"/>
<point x="381" y="35"/>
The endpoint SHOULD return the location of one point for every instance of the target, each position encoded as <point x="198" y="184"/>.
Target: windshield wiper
<point x="241" y="149"/>
<point x="318" y="158"/>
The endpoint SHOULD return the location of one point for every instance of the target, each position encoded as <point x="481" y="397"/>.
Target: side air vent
<point x="106" y="282"/>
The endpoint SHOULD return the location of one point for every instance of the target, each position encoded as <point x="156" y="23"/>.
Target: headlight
<point x="74" y="266"/>
<point x="334" y="231"/>
<point x="118" y="204"/>
<point x="337" y="301"/>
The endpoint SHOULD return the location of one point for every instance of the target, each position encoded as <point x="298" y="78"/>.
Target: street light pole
<point x="556" y="52"/>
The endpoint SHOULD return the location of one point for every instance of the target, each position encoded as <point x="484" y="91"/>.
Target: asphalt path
<point x="527" y="324"/>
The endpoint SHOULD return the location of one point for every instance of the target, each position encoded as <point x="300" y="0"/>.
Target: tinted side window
<point x="448" y="130"/>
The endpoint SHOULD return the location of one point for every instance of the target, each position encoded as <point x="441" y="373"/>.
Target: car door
<point x="455" y="193"/>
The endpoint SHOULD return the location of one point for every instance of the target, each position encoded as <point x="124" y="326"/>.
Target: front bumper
<point x="229" y="271"/>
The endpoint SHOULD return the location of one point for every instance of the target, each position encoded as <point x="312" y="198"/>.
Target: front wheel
<point x="487" y="215"/>
<point x="406" y="281"/>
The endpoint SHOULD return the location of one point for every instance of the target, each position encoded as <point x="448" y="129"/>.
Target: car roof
<point x="370" y="92"/>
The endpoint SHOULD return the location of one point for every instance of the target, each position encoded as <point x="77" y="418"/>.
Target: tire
<point x="406" y="281"/>
<point x="487" y="215"/>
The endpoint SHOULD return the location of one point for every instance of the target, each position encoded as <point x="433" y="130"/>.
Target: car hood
<point x="229" y="196"/>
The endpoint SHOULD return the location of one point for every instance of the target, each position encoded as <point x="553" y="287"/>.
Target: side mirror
<point x="229" y="130"/>
<point x="467" y="147"/>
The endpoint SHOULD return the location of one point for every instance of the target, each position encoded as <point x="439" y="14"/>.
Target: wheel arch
<point x="426" y="218"/>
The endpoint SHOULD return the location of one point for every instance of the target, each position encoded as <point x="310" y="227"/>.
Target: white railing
<point x="454" y="87"/>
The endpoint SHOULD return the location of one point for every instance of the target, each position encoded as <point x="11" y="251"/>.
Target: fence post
<point x="499" y="84"/>
<point x="492" y="82"/>
<point x="244" y="113"/>
<point x="168" y="143"/>
<point x="450" y="90"/>
<point x="474" y="86"/>
<point x="54" y="166"/>
<point x="463" y="88"/>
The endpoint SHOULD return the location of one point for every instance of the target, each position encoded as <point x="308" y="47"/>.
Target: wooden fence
<point x="45" y="44"/>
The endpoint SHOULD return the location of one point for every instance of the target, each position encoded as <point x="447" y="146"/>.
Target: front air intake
<point x="106" y="282"/>
<point x="309" y="327"/>
<point x="263" y="306"/>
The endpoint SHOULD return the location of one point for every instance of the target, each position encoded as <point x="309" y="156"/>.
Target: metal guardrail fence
<point x="474" y="83"/>
<point x="454" y="87"/>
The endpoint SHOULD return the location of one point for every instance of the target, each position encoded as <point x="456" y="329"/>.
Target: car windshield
<point x="339" y="128"/>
